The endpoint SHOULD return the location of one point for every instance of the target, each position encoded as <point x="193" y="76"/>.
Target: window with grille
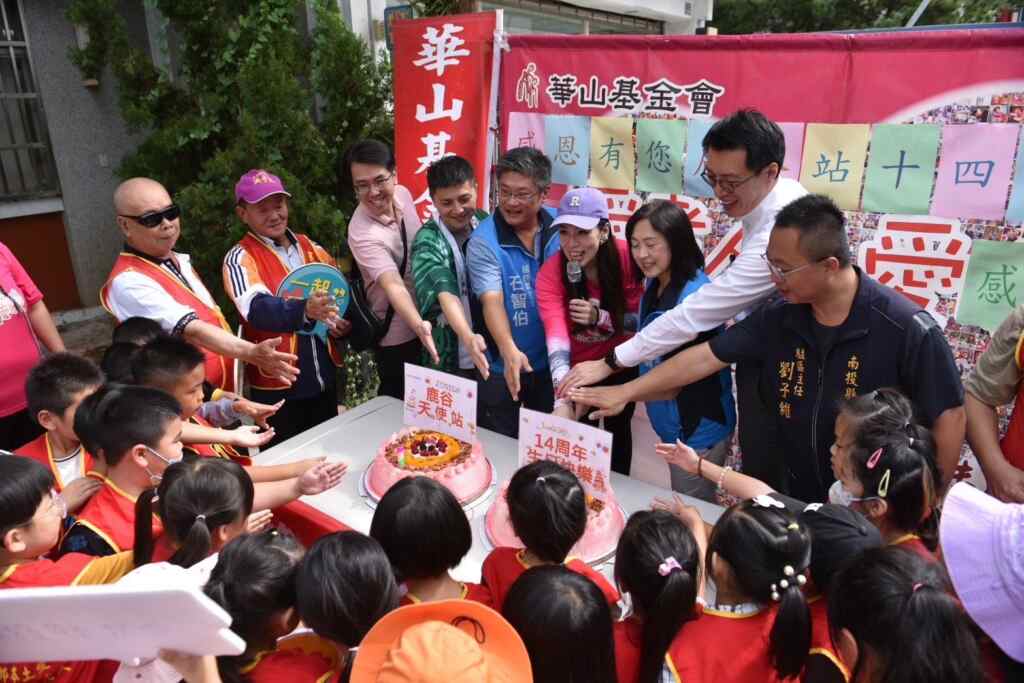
<point x="27" y="169"/>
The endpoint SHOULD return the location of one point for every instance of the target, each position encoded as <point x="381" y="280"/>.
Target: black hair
<point x="526" y="161"/>
<point x="664" y="601"/>
<point x="422" y="528"/>
<point x="761" y="545"/>
<point x="370" y="152"/>
<point x="118" y="416"/>
<point x="345" y="586"/>
<point x="821" y="225"/>
<point x="900" y="609"/>
<point x="194" y="498"/>
<point x="24" y="483"/>
<point x="254" y="580"/>
<point x="54" y="381"/>
<point x="750" y="130"/>
<point x="449" y="171"/>
<point x="117" y="362"/>
<point x="165" y="360"/>
<point x="565" y="623"/>
<point x="547" y="508"/>
<point x="136" y="330"/>
<point x="609" y="276"/>
<point x="672" y="223"/>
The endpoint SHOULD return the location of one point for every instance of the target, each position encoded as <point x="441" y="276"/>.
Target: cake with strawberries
<point x="411" y="452"/>
<point x="605" y="523"/>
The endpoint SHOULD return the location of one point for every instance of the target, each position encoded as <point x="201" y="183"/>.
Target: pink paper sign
<point x="794" y="134"/>
<point x="584" y="451"/>
<point x="525" y="130"/>
<point x="974" y="170"/>
<point x="440" y="402"/>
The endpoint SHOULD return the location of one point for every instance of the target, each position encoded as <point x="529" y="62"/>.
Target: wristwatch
<point x="611" y="361"/>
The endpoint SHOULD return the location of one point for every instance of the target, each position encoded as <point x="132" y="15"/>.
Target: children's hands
<point x="259" y="412"/>
<point x="679" y="454"/>
<point x="249" y="436"/>
<point x="687" y="514"/>
<point x="322" y="477"/>
<point x="258" y="521"/>
<point x="193" y="668"/>
<point x="78" y="492"/>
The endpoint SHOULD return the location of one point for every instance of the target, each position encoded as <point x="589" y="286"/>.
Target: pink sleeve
<point x="21" y="278"/>
<point x="372" y="255"/>
<point x="634" y="287"/>
<point x="551" y="303"/>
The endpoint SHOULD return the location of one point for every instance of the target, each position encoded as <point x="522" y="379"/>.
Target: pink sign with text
<point x="584" y="451"/>
<point x="441" y="402"/>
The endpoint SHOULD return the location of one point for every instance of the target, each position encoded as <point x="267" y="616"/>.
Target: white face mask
<point x="838" y="494"/>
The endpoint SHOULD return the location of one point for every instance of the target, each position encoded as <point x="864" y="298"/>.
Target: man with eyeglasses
<point x="835" y="333"/>
<point x="151" y="280"/>
<point x="743" y="157"/>
<point x="503" y="257"/>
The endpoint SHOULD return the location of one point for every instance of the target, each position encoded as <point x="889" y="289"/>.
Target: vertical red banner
<point x="445" y="95"/>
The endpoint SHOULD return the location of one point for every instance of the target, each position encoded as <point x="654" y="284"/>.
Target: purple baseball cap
<point x="583" y="207"/>
<point x="257" y="185"/>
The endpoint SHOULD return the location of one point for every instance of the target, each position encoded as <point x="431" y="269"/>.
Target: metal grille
<point x="27" y="168"/>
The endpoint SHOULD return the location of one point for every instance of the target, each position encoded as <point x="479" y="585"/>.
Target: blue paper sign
<point x="312" y="278"/>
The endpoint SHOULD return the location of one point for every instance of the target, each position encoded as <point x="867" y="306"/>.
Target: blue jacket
<point x="316" y="369"/>
<point x="702" y="413"/>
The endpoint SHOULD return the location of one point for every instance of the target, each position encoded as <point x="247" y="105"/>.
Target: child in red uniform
<point x="893" y="618"/>
<point x="425" y="533"/>
<point x="760" y="628"/>
<point x="345" y="585"/>
<point x="548" y="511"/>
<point x="565" y="623"/>
<point x="31" y="513"/>
<point x="657" y="564"/>
<point x="55" y="388"/>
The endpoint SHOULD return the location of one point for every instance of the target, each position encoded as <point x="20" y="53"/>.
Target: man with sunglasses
<point x="835" y="333"/>
<point x="151" y="280"/>
<point x="743" y="157"/>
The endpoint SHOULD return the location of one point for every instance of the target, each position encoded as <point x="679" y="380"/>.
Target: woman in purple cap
<point x="588" y="296"/>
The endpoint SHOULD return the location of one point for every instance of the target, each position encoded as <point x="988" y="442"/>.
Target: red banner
<point x="444" y="72"/>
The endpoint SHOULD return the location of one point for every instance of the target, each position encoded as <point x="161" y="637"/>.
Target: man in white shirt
<point x="744" y="153"/>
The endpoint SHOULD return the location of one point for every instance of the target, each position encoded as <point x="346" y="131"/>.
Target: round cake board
<point x="469" y="506"/>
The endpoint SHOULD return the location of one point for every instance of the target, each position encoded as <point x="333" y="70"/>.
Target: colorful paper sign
<point x="1015" y="211"/>
<point x="901" y="168"/>
<point x="525" y="130"/>
<point x="833" y="161"/>
<point x="612" y="156"/>
<point x="585" y="451"/>
<point x="567" y="144"/>
<point x="794" y="135"/>
<point x="693" y="184"/>
<point x="994" y="284"/>
<point x="440" y="402"/>
<point x="659" y="149"/>
<point x="974" y="171"/>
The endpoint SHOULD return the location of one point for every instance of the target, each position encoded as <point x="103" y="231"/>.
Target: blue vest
<point x="664" y="415"/>
<point x="519" y="270"/>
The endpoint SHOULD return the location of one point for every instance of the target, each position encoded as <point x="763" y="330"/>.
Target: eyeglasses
<point x="728" y="186"/>
<point x="151" y="219"/>
<point x="59" y="505"/>
<point x="378" y="183"/>
<point x="516" y="197"/>
<point x="779" y="273"/>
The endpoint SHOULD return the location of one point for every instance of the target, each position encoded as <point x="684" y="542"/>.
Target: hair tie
<point x="775" y="593"/>
<point x="875" y="457"/>
<point x="917" y="586"/>
<point x="541" y="480"/>
<point x="200" y="518"/>
<point x="790" y="580"/>
<point x="766" y="501"/>
<point x="668" y="566"/>
<point x="793" y="526"/>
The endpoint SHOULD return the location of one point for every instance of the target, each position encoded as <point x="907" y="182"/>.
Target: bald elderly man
<point x="151" y="280"/>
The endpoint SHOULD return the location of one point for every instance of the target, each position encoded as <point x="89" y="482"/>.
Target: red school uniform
<point x="914" y="544"/>
<point x="504" y="565"/>
<point x="41" y="450"/>
<point x="110" y="515"/>
<point x="477" y="592"/>
<point x="215" y="450"/>
<point x="821" y="638"/>
<point x="629" y="643"/>
<point x="299" y="659"/>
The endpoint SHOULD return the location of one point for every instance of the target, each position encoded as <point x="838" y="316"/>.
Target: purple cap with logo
<point x="583" y="207"/>
<point x="257" y="185"/>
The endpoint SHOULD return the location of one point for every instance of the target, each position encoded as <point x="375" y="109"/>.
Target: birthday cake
<point x="459" y="466"/>
<point x="605" y="523"/>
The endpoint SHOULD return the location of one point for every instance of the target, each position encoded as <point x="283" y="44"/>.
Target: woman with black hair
<point x="588" y="295"/>
<point x="566" y="625"/>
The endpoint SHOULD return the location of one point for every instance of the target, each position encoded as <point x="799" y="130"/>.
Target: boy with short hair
<point x="55" y="388"/>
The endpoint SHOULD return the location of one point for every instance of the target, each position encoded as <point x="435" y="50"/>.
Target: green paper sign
<point x="659" y="149"/>
<point x="994" y="284"/>
<point x="901" y="168"/>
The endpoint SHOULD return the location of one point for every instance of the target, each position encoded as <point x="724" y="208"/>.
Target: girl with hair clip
<point x="893" y="618"/>
<point x="657" y="564"/>
<point x="757" y="556"/>
<point x="565" y="624"/>
<point x="548" y="511"/>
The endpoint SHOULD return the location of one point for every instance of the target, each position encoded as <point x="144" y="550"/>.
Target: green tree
<point x="800" y="16"/>
<point x="252" y="88"/>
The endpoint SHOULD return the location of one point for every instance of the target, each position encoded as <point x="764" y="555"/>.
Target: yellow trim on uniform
<point x="118" y="490"/>
<point x="99" y="532"/>
<point x="832" y="658"/>
<point x="672" y="668"/>
<point x="412" y="597"/>
<point x="7" y="573"/>
<point x="903" y="539"/>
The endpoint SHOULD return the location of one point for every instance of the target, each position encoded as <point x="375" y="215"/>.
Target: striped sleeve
<point x="322" y="256"/>
<point x="242" y="279"/>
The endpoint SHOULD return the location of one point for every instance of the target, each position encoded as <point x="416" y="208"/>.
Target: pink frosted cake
<point x="605" y="523"/>
<point x="460" y="466"/>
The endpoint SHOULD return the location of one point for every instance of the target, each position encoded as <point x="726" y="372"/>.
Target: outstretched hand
<point x="608" y="400"/>
<point x="320" y="478"/>
<point x="680" y="455"/>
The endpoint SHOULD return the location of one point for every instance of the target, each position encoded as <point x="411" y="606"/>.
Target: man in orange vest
<point x="151" y="280"/>
<point x="253" y="272"/>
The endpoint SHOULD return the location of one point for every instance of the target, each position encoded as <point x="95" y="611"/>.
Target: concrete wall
<point x="88" y="136"/>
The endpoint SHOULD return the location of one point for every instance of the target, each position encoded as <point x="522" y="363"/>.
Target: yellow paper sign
<point x="833" y="162"/>
<point x="612" y="155"/>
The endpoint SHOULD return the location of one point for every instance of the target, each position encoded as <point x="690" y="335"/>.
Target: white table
<point x="354" y="437"/>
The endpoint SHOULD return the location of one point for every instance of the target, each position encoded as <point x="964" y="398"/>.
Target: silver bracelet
<point x="721" y="478"/>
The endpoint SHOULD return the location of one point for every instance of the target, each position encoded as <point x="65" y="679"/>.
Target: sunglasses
<point x="151" y="219"/>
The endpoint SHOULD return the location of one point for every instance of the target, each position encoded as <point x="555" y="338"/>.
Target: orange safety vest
<point x="1012" y="443"/>
<point x="219" y="370"/>
<point x="272" y="271"/>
